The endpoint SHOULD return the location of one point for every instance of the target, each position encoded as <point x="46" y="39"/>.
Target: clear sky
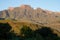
<point x="53" y="5"/>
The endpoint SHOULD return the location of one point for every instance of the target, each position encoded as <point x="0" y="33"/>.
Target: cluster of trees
<point x="43" y="33"/>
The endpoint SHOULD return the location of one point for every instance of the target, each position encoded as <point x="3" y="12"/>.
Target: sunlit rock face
<point x="27" y="13"/>
<point x="11" y="8"/>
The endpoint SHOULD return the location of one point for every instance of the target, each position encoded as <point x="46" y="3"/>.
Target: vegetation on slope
<point x="26" y="33"/>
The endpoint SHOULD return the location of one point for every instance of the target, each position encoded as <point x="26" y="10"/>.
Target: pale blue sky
<point x="53" y="5"/>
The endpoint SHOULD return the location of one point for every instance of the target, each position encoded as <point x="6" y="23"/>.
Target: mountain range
<point x="26" y="13"/>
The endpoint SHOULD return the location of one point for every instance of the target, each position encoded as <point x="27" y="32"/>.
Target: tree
<point x="26" y="31"/>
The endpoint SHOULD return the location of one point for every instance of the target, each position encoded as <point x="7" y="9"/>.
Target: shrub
<point x="26" y="31"/>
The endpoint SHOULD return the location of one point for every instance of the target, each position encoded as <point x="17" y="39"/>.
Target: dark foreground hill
<point x="26" y="31"/>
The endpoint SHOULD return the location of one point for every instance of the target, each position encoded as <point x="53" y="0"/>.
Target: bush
<point x="26" y="31"/>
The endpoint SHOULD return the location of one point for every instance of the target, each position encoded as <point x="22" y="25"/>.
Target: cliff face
<point x="27" y="13"/>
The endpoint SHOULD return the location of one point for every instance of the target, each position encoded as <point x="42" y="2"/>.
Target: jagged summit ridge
<point x="11" y="8"/>
<point x="25" y="6"/>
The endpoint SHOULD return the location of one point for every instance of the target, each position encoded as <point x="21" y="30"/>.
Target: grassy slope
<point x="16" y="26"/>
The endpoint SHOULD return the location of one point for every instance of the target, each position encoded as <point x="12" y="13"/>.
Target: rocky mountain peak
<point x="25" y="6"/>
<point x="26" y="12"/>
<point x="11" y="8"/>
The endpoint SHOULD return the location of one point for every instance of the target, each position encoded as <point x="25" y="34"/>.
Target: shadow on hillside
<point x="43" y="33"/>
<point x="4" y="29"/>
<point x="5" y="32"/>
